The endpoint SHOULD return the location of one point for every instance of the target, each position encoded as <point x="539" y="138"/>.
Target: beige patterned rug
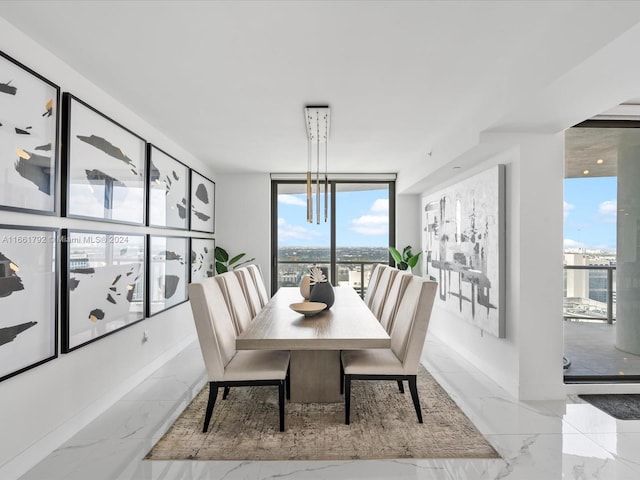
<point x="383" y="426"/>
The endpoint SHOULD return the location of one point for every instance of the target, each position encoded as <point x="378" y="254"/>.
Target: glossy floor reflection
<point x="538" y="440"/>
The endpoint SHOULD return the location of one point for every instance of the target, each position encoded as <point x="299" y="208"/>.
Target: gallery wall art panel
<point x="202" y="203"/>
<point x="104" y="166"/>
<point x="168" y="272"/>
<point x="28" y="139"/>
<point x="464" y="246"/>
<point x="168" y="190"/>
<point x="28" y="298"/>
<point x="103" y="284"/>
<point x="203" y="260"/>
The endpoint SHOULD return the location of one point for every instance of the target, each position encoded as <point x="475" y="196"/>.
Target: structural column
<point x="628" y="246"/>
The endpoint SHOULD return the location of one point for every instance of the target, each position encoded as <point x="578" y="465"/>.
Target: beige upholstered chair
<point x="250" y="290"/>
<point x="382" y="289"/>
<point x="400" y="362"/>
<point x="235" y="300"/>
<point x="373" y="283"/>
<point x="225" y="365"/>
<point x="255" y="272"/>
<point x="394" y="295"/>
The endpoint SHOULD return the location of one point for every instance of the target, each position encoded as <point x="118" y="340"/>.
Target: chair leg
<point x="281" y="389"/>
<point x="213" y="394"/>
<point x="347" y="398"/>
<point x="225" y="393"/>
<point x="288" y="383"/>
<point x="341" y="378"/>
<point x="400" y="386"/>
<point x="413" y="387"/>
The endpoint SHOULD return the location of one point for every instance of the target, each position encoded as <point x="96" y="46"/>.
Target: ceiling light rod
<point x="317" y="120"/>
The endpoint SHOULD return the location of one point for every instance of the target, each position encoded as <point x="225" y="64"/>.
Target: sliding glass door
<point x="360" y="227"/>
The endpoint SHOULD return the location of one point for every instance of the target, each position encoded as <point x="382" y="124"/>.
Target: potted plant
<point x="405" y="260"/>
<point x="224" y="263"/>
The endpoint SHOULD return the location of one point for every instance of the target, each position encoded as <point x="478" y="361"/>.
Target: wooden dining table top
<point x="348" y="324"/>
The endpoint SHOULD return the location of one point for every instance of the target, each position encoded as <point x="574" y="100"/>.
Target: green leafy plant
<point x="224" y="263"/>
<point x="405" y="259"/>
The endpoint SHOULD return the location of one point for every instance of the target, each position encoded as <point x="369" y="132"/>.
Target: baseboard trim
<point x="28" y="458"/>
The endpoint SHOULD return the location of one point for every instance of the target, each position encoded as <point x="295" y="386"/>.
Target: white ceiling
<point x="228" y="81"/>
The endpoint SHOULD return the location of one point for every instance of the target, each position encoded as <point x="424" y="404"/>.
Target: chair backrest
<point x="255" y="272"/>
<point x="384" y="283"/>
<point x="235" y="300"/>
<point x="250" y="290"/>
<point x="411" y="322"/>
<point x="394" y="295"/>
<point x="214" y="325"/>
<point x="373" y="283"/>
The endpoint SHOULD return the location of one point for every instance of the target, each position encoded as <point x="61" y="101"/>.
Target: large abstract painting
<point x="28" y="139"/>
<point x="203" y="260"/>
<point x="28" y="298"/>
<point x="202" y="203"/>
<point x="104" y="284"/>
<point x="105" y="166"/>
<point x="168" y="191"/>
<point x="168" y="272"/>
<point x="463" y="242"/>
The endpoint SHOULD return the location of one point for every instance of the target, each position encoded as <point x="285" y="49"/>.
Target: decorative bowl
<point x="308" y="308"/>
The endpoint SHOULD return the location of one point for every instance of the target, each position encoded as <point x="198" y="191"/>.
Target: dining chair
<point x="226" y="366"/>
<point x="258" y="279"/>
<point x="401" y="361"/>
<point x="373" y="282"/>
<point x="394" y="295"/>
<point x="382" y="290"/>
<point x="235" y="300"/>
<point x="250" y="290"/>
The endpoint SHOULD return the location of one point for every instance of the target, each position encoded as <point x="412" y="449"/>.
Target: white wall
<point x="408" y="225"/>
<point x="44" y="406"/>
<point x="243" y="213"/>
<point x="528" y="362"/>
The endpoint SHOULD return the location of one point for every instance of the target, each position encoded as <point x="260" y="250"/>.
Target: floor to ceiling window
<point x="359" y="227"/>
<point x="601" y="246"/>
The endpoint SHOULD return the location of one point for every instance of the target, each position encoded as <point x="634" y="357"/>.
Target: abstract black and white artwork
<point x="202" y="203"/>
<point x="168" y="272"/>
<point x="28" y="298"/>
<point x="464" y="246"/>
<point x="168" y="191"/>
<point x="203" y="260"/>
<point x="28" y="139"/>
<point x="105" y="166"/>
<point x="104" y="282"/>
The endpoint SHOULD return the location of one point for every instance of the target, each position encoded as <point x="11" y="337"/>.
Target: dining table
<point x="314" y="341"/>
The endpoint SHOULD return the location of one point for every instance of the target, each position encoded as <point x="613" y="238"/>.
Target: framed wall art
<point x="168" y="189"/>
<point x="28" y="298"/>
<point x="464" y="245"/>
<point x="203" y="261"/>
<point x="202" y="203"/>
<point x="103" y="284"/>
<point x="168" y="272"/>
<point x="104" y="166"/>
<point x="28" y="139"/>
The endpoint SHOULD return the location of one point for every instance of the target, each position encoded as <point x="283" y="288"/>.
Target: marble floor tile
<point x="538" y="440"/>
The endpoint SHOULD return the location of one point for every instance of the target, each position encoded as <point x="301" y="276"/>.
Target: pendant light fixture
<point x="317" y="120"/>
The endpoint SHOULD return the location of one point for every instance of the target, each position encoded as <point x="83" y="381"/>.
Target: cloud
<point x="567" y="208"/>
<point x="287" y="231"/>
<point x="608" y="210"/>
<point x="568" y="243"/>
<point x="291" y="200"/>
<point x="375" y="222"/>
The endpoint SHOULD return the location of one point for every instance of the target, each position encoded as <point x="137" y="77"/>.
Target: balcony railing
<point x="583" y="306"/>
<point x="291" y="272"/>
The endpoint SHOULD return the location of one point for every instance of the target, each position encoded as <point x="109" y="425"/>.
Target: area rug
<point x="620" y="406"/>
<point x="383" y="426"/>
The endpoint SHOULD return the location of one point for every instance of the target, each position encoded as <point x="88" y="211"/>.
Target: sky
<point x="590" y="213"/>
<point x="362" y="220"/>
